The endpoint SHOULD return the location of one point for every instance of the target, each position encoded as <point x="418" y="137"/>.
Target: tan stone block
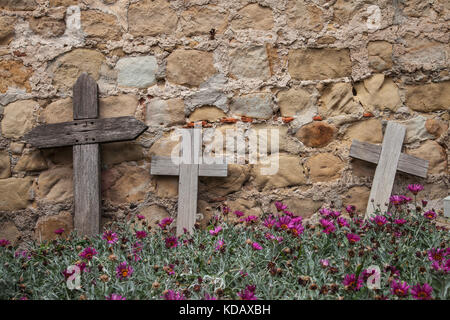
<point x="47" y="26"/>
<point x="5" y="165"/>
<point x="213" y="187"/>
<point x="47" y="225"/>
<point x="97" y="24"/>
<point x="366" y="131"/>
<point x="189" y="67"/>
<point x="7" y="29"/>
<point x="166" y="186"/>
<point x="316" y="134"/>
<point x="165" y="145"/>
<point x="153" y="215"/>
<point x="15" y="193"/>
<point x="55" y="185"/>
<point x="294" y="101"/>
<point x="357" y="196"/>
<point x="436" y="127"/>
<point x="31" y="161"/>
<point x="199" y="21"/>
<point x="324" y="167"/>
<point x="319" y="64"/>
<point x="207" y="113"/>
<point x="253" y="16"/>
<point x="18" y="5"/>
<point x="428" y="97"/>
<point x="15" y="75"/>
<point x="168" y="112"/>
<point x="250" y="62"/>
<point x="9" y="231"/>
<point x="117" y="152"/>
<point x="337" y="99"/>
<point x="18" y="118"/>
<point x="248" y="207"/>
<point x="118" y="106"/>
<point x="151" y="18"/>
<point x="378" y="92"/>
<point x="300" y="207"/>
<point x="304" y="16"/>
<point x="431" y="150"/>
<point x="380" y="55"/>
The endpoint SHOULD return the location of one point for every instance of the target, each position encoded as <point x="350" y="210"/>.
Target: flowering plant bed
<point x="401" y="254"/>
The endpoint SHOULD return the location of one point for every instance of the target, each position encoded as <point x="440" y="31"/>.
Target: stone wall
<point x="339" y="68"/>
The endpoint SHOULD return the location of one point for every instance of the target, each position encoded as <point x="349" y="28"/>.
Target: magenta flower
<point x="444" y="265"/>
<point x="238" y="213"/>
<point x="220" y="246"/>
<point x="173" y="295"/>
<point x="342" y="222"/>
<point x="422" y="292"/>
<point x="82" y="266"/>
<point x="350" y="209"/>
<point x="415" y="188"/>
<point x="296" y="229"/>
<point x="114" y="296"/>
<point x="400" y="222"/>
<point x="216" y="231"/>
<point x="397" y="200"/>
<point x="243" y="273"/>
<point x="379" y="220"/>
<point x="353" y="238"/>
<point x="437" y="254"/>
<point x="251" y="219"/>
<point x="256" y="246"/>
<point x="169" y="269"/>
<point x="88" y="253"/>
<point x="335" y="214"/>
<point x="424" y="203"/>
<point x="165" y="223"/>
<point x="269" y="222"/>
<point x="352" y="283"/>
<point x="328" y="226"/>
<point x="123" y="271"/>
<point x="67" y="274"/>
<point x="288" y="213"/>
<point x="248" y="293"/>
<point x="269" y="236"/>
<point x="326" y="213"/>
<point x="4" y="243"/>
<point x="430" y="214"/>
<point x="171" y="242"/>
<point x="208" y="297"/>
<point x="324" y="262"/>
<point x="141" y="234"/>
<point x="226" y="210"/>
<point x="110" y="237"/>
<point x="280" y="206"/>
<point x="59" y="231"/>
<point x="283" y="222"/>
<point x="140" y="217"/>
<point x="400" y="289"/>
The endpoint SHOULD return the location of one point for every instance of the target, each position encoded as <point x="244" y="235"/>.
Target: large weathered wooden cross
<point x="189" y="167"/>
<point x="389" y="159"/>
<point x="85" y="134"/>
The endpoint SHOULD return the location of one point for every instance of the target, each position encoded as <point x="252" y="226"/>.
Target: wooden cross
<point x="85" y="134"/>
<point x="189" y="168"/>
<point x="389" y="159"/>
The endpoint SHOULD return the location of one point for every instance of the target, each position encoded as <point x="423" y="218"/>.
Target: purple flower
<point x="169" y="269"/>
<point x="88" y="253"/>
<point x="59" y="231"/>
<point x="328" y="226"/>
<point x="280" y="206"/>
<point x="256" y="246"/>
<point x="208" y="297"/>
<point x="400" y="222"/>
<point x="283" y="222"/>
<point x="336" y="214"/>
<point x="173" y="295"/>
<point x="326" y="213"/>
<point x="110" y="237"/>
<point x="324" y="262"/>
<point x="444" y="265"/>
<point x="22" y="254"/>
<point x="4" y="243"/>
<point x="352" y="283"/>
<point x="123" y="271"/>
<point x="397" y="200"/>
<point x="437" y="254"/>
<point x="415" y="188"/>
<point x="140" y="217"/>
<point x="350" y="209"/>
<point x="430" y="214"/>
<point x="296" y="229"/>
<point x="269" y="222"/>
<point x="379" y="220"/>
<point x="216" y="231"/>
<point x="141" y="234"/>
<point x="114" y="296"/>
<point x="226" y="210"/>
<point x="248" y="293"/>
<point x="165" y="223"/>
<point x="251" y="219"/>
<point x="171" y="242"/>
<point x="422" y="292"/>
<point x="399" y="289"/>
<point x="238" y="213"/>
<point x="220" y="246"/>
<point x="342" y="222"/>
<point x="353" y="238"/>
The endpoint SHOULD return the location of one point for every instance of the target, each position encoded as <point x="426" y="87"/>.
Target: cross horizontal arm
<point x="85" y="132"/>
<point x="406" y="163"/>
<point x="165" y="166"/>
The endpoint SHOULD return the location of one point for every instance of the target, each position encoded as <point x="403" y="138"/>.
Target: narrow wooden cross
<point x="189" y="167"/>
<point x="85" y="134"/>
<point x="389" y="159"/>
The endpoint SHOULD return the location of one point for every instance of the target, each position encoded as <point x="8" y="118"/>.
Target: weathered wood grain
<point x="447" y="207"/>
<point x="85" y="98"/>
<point x="371" y="153"/>
<point x="165" y="166"/>
<point x="383" y="180"/>
<point x="85" y="132"/>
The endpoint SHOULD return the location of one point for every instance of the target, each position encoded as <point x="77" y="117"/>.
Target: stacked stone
<point x="172" y="62"/>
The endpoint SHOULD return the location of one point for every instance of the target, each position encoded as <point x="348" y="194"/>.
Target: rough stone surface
<point x="55" y="185"/>
<point x="219" y="187"/>
<point x="357" y="196"/>
<point x="125" y="184"/>
<point x="290" y="172"/>
<point x="25" y="5"/>
<point x="250" y="62"/>
<point x="378" y="92"/>
<point x="189" y="67"/>
<point x="57" y="111"/>
<point x="304" y="16"/>
<point x="6" y="29"/>
<point x="248" y="207"/>
<point x="428" y="97"/>
<point x="366" y="131"/>
<point x="324" y="167"/>
<point x="13" y="74"/>
<point x="380" y="55"/>
<point x="165" y="145"/>
<point x="200" y="21"/>
<point x="32" y="161"/>
<point x="9" y="231"/>
<point x="98" y="24"/>
<point x="207" y="113"/>
<point x="317" y="134"/>
<point x="431" y="150"/>
<point x="15" y="193"/>
<point x="337" y="99"/>
<point x="151" y="18"/>
<point x="48" y="26"/>
<point x="137" y="72"/>
<point x="5" y="165"/>
<point x="153" y="215"/>
<point x="117" y="152"/>
<point x="46" y="226"/>
<point x="254" y="105"/>
<point x="164" y="112"/>
<point x="166" y="186"/>
<point x="253" y="16"/>
<point x="415" y="129"/>
<point x="301" y="207"/>
<point x="18" y="118"/>
<point x="436" y="127"/>
<point x="118" y="106"/>
<point x="319" y="64"/>
<point x="68" y="67"/>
